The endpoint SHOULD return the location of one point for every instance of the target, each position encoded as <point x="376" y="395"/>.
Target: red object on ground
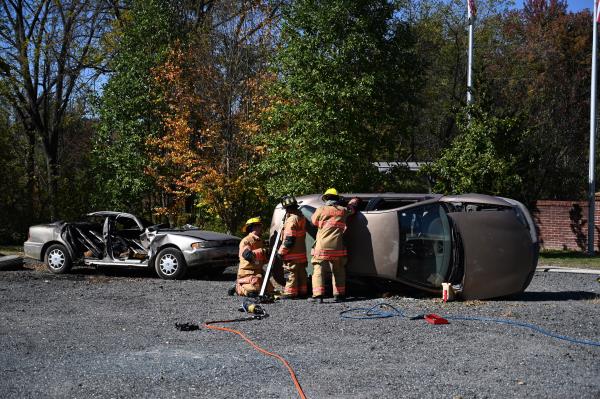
<point x="432" y="318"/>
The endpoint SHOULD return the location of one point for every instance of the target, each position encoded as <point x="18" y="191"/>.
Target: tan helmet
<point x="331" y="193"/>
<point x="250" y="222"/>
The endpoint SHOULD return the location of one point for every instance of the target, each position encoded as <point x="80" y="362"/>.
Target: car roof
<point x="421" y="196"/>
<point x="111" y="213"/>
<point x="418" y="197"/>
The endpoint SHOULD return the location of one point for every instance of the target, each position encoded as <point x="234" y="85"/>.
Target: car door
<point x="372" y="242"/>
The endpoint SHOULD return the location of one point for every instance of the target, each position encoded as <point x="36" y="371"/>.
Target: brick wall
<point x="563" y="224"/>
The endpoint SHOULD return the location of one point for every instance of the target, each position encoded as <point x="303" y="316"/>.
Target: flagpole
<point x="470" y="54"/>
<point x="592" y="159"/>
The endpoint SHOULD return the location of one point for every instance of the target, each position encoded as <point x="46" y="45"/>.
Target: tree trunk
<point x="31" y="184"/>
<point x="52" y="169"/>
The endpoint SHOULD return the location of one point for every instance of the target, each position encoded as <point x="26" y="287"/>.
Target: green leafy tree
<point x="541" y="70"/>
<point x="345" y="86"/>
<point x="129" y="104"/>
<point x="481" y="157"/>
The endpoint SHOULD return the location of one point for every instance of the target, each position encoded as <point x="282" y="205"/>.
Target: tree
<point x="541" y="70"/>
<point x="346" y="84"/>
<point x="13" y="180"/>
<point x="48" y="57"/>
<point x="481" y="157"/>
<point x="130" y="103"/>
<point x="440" y="28"/>
<point x="210" y="83"/>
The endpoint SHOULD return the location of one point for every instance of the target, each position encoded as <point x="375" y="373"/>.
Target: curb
<point x="560" y="269"/>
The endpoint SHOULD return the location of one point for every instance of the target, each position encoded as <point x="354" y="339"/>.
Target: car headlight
<point x="205" y="244"/>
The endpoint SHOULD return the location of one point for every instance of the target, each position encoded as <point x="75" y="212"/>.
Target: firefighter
<point x="293" y="250"/>
<point x="329" y="254"/>
<point x="252" y="258"/>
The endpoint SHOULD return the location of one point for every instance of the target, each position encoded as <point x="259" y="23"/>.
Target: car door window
<point x="425" y="245"/>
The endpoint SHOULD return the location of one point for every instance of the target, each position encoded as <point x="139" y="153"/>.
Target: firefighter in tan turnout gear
<point x="252" y="258"/>
<point x="293" y="250"/>
<point x="329" y="253"/>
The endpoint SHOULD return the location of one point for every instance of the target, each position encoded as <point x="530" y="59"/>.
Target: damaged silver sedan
<point x="483" y="246"/>
<point x="121" y="239"/>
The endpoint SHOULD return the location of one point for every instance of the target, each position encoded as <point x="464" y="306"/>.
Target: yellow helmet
<point x="331" y="192"/>
<point x="250" y="222"/>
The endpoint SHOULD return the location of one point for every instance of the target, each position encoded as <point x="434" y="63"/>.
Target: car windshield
<point x="425" y="245"/>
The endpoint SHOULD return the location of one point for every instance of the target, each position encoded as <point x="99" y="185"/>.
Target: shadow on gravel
<point x="555" y="296"/>
<point x="12" y="268"/>
<point x="112" y="272"/>
<point x="193" y="274"/>
<point x="198" y="274"/>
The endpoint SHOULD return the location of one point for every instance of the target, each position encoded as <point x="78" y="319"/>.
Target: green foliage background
<point x="483" y="157"/>
<point x="129" y="105"/>
<point x="346" y="83"/>
<point x="353" y="82"/>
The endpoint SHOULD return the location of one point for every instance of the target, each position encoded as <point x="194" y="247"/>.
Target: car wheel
<point x="57" y="259"/>
<point x="170" y="265"/>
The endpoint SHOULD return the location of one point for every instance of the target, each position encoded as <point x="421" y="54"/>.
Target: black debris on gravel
<point x="187" y="326"/>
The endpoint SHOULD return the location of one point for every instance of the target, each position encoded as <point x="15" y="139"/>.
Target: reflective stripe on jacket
<point x="293" y="248"/>
<point x="331" y="222"/>
<point x="254" y="244"/>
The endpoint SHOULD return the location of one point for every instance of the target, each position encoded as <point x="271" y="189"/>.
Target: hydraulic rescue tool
<point x="261" y="295"/>
<point x="251" y="307"/>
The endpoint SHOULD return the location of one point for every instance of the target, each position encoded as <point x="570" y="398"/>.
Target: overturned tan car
<point x="484" y="246"/>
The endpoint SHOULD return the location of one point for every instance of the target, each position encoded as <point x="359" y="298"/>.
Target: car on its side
<point x="484" y="246"/>
<point x="120" y="239"/>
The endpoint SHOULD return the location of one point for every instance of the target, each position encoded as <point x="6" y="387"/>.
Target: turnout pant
<point x="297" y="280"/>
<point x="322" y="269"/>
<point x="251" y="284"/>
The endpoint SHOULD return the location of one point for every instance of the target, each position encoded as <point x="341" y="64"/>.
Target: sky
<point x="574" y="5"/>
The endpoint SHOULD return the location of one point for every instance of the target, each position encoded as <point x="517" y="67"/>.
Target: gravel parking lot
<point x="111" y="334"/>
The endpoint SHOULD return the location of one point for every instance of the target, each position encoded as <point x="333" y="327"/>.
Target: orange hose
<point x="258" y="348"/>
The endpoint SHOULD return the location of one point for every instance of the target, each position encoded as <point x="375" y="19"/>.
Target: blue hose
<point x="379" y="311"/>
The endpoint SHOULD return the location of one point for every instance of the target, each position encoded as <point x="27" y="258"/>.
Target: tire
<point x="170" y="264"/>
<point x="57" y="259"/>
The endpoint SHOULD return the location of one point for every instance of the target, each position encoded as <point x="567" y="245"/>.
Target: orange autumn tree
<point x="213" y="92"/>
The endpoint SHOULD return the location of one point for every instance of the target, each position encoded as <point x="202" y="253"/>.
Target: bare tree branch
<point x="45" y="47"/>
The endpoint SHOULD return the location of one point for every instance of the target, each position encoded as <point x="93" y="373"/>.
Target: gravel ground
<point x="111" y="334"/>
